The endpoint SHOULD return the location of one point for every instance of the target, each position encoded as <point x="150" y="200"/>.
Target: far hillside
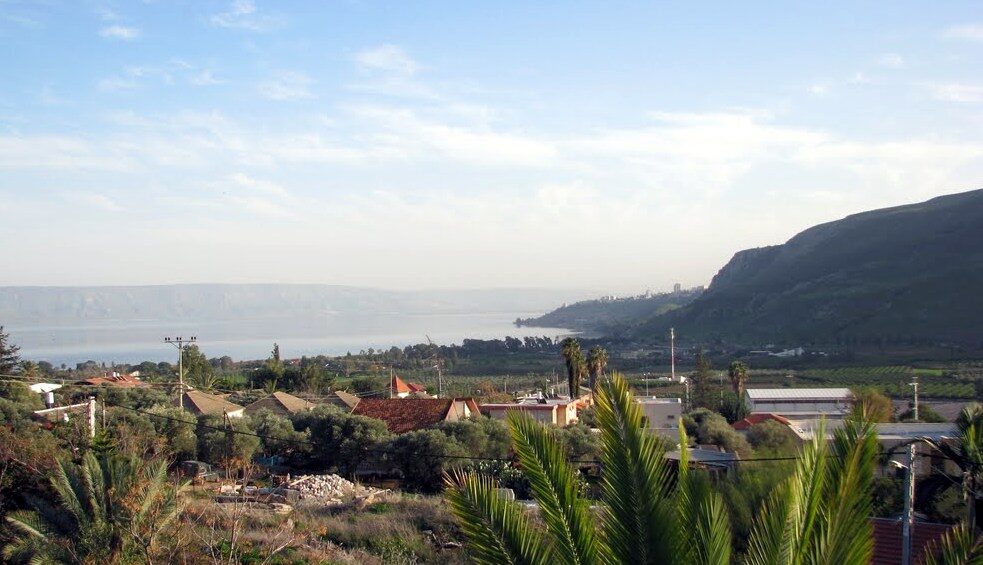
<point x="605" y="313"/>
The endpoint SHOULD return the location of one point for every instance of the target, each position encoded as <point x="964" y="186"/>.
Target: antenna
<point x="439" y="365"/>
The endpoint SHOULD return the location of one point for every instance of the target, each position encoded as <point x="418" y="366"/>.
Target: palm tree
<point x="738" y="377"/>
<point x="650" y="514"/>
<point x="967" y="454"/>
<point x="958" y="547"/>
<point x="573" y="358"/>
<point x="597" y="360"/>
<point x="108" y="510"/>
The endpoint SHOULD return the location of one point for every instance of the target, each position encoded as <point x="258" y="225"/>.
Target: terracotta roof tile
<point x="198" y="402"/>
<point x="281" y="403"/>
<point x="405" y="414"/>
<point x="887" y="540"/>
<point x="753" y="419"/>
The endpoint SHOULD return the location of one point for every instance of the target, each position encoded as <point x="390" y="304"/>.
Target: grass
<point x="399" y="529"/>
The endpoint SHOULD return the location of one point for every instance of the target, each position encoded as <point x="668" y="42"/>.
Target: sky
<point x="610" y="146"/>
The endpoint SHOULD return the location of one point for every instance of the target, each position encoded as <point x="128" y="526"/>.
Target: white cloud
<point x="956" y="92"/>
<point x="387" y="58"/>
<point x="287" y="86"/>
<point x="99" y="201"/>
<point x="243" y="14"/>
<point x="818" y="90"/>
<point x="205" y="78"/>
<point x="891" y="61"/>
<point x="859" y="78"/>
<point x="968" y="32"/>
<point x="120" y="32"/>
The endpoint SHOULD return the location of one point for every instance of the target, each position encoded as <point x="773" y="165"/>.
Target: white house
<point x="662" y="415"/>
<point x="799" y="403"/>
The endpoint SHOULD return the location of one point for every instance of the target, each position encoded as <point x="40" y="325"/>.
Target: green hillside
<point x="604" y="314"/>
<point x="909" y="274"/>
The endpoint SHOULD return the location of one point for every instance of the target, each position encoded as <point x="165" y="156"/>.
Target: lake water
<point x="132" y="341"/>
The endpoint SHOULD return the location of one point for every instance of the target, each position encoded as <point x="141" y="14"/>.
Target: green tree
<point x="925" y="414"/>
<point x="873" y="405"/>
<point x="279" y="435"/>
<point x="967" y="454"/>
<point x="700" y="380"/>
<point x="219" y="443"/>
<point x="648" y="515"/>
<point x="423" y="456"/>
<point x="738" y="374"/>
<point x="9" y="359"/>
<point x="573" y="358"/>
<point x="178" y="431"/>
<point x="341" y="441"/>
<point x="597" y="360"/>
<point x="198" y="372"/>
<point x="106" y="510"/>
<point x="772" y="437"/>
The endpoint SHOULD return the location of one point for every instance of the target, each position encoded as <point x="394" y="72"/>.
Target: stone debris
<point x="331" y="489"/>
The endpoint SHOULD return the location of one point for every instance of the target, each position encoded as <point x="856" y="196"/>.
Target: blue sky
<point x="610" y="146"/>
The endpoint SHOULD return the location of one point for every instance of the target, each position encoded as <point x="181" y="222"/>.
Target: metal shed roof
<point x="799" y="393"/>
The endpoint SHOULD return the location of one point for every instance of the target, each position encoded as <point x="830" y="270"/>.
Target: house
<point x="888" y="541"/>
<point x="280" y="403"/>
<point x="200" y="403"/>
<point x="401" y="389"/>
<point x="126" y="380"/>
<point x="893" y="437"/>
<point x="557" y="411"/>
<point x="800" y="402"/>
<point x="662" y="415"/>
<point x="403" y="415"/>
<point x="715" y="461"/>
<point x="344" y="400"/>
<point x="753" y="419"/>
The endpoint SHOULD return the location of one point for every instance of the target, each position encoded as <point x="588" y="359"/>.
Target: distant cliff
<point x="602" y="315"/>
<point x="905" y="274"/>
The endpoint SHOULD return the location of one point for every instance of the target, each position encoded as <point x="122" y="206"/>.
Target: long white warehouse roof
<point x="798" y="394"/>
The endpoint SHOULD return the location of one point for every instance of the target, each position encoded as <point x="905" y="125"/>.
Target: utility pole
<point x="909" y="510"/>
<point x="179" y="342"/>
<point x="92" y="417"/>
<point x="672" y="354"/>
<point x="915" y="385"/>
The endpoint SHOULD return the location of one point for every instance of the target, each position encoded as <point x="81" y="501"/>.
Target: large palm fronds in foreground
<point x="110" y="509"/>
<point x="652" y="513"/>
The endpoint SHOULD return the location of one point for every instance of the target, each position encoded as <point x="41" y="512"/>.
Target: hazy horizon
<point x="613" y="148"/>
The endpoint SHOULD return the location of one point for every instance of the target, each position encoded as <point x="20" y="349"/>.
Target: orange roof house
<point x="403" y="415"/>
<point x="402" y="389"/>
<point x="743" y="425"/>
<point x="114" y="379"/>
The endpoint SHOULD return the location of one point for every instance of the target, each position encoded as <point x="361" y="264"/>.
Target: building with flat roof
<point x="662" y="415"/>
<point x="557" y="411"/>
<point x="800" y="403"/>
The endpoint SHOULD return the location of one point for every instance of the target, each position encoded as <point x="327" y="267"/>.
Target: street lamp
<point x="179" y="343"/>
<point x="909" y="500"/>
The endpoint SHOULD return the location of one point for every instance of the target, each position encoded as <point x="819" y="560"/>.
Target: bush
<point x="480" y="436"/>
<point x="772" y="436"/>
<point x="227" y="449"/>
<point x="340" y="441"/>
<point x="424" y="456"/>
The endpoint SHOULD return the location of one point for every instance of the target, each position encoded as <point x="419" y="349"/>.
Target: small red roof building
<point x="743" y="425"/>
<point x="403" y="415"/>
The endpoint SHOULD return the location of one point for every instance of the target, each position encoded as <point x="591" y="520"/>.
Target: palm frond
<point x="846" y="532"/>
<point x="498" y="530"/>
<point x="555" y="486"/>
<point x="957" y="547"/>
<point x="638" y="520"/>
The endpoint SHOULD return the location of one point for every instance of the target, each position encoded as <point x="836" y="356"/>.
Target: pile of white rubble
<point x="330" y="489"/>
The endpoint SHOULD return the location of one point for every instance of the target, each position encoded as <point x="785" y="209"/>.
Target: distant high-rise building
<point x="677" y="287"/>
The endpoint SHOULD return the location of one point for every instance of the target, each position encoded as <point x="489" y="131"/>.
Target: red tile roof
<point x="399" y="385"/>
<point x="407" y="414"/>
<point x="113" y="379"/>
<point x="753" y="419"/>
<point x="887" y="540"/>
<point x="416" y="387"/>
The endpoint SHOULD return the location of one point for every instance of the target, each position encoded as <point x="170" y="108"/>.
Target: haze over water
<point x="132" y="341"/>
